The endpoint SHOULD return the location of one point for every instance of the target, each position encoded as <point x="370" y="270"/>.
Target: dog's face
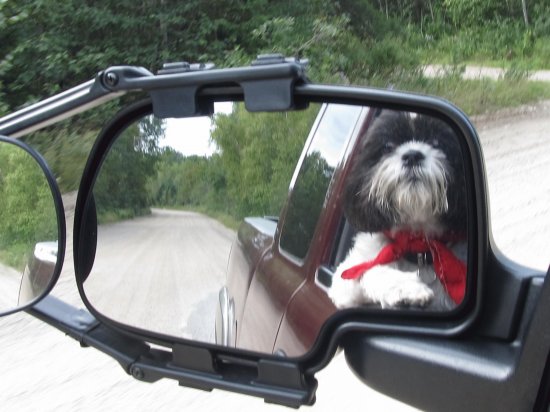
<point x="409" y="175"/>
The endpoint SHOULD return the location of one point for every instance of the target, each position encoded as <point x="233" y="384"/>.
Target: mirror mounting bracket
<point x="184" y="67"/>
<point x="276" y="380"/>
<point x="193" y="357"/>
<point x="268" y="85"/>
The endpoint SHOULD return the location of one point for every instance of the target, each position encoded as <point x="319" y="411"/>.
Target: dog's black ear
<point x="363" y="213"/>
<point x="430" y="127"/>
<point x="456" y="217"/>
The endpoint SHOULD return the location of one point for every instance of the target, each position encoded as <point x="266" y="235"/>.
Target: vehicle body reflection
<point x="38" y="271"/>
<point x="279" y="291"/>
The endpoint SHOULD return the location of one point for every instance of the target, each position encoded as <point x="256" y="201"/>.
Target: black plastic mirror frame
<point x="60" y="215"/>
<point x="351" y="320"/>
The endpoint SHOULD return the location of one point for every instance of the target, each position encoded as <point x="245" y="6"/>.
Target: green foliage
<point x="189" y="182"/>
<point x="120" y="190"/>
<point x="541" y="21"/>
<point x="471" y="13"/>
<point x="47" y="46"/>
<point x="486" y="31"/>
<point x="66" y="150"/>
<point x="368" y="21"/>
<point x="248" y="175"/>
<point x="50" y="46"/>
<point x="258" y="153"/>
<point x="27" y="212"/>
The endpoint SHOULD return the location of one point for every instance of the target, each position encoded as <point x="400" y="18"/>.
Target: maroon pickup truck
<point x="275" y="299"/>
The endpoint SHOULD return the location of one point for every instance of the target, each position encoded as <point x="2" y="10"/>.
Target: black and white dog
<point x="406" y="196"/>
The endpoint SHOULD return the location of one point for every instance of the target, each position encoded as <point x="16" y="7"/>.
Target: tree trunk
<point x="431" y="11"/>
<point x="525" y="16"/>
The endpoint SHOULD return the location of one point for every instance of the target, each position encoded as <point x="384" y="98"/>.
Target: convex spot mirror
<point x="252" y="230"/>
<point x="32" y="227"/>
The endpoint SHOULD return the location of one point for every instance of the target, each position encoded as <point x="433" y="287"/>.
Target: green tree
<point x="258" y="153"/>
<point x="121" y="189"/>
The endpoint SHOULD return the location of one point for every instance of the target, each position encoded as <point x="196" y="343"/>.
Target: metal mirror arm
<point x="57" y="108"/>
<point x="268" y="85"/>
<point x="276" y="381"/>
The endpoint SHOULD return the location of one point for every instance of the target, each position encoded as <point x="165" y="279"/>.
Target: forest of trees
<point x="248" y="174"/>
<point x="47" y="46"/>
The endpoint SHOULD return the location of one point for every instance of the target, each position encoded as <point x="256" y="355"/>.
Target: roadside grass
<point x="509" y="47"/>
<point x="479" y="96"/>
<point x="492" y="48"/>
<point x="482" y="96"/>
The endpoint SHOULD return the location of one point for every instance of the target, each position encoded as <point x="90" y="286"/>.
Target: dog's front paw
<point x="408" y="293"/>
<point x="345" y="293"/>
<point x="391" y="288"/>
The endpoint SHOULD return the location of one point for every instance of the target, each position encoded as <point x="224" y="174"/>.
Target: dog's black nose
<point x="412" y="158"/>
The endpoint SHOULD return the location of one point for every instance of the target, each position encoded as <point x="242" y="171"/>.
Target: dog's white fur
<point x="417" y="198"/>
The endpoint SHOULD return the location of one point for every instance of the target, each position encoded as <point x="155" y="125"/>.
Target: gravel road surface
<point x="10" y="280"/>
<point x="46" y="371"/>
<point x="476" y="72"/>
<point x="170" y="267"/>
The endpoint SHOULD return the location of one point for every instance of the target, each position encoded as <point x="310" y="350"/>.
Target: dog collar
<point x="412" y="257"/>
<point x="450" y="270"/>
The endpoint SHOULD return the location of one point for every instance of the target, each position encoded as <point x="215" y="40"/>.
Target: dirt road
<point x="516" y="147"/>
<point x="10" y="280"/>
<point x="44" y="370"/>
<point x="476" y="72"/>
<point x="170" y="267"/>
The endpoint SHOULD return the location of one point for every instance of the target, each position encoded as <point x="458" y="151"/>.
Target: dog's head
<point x="408" y="176"/>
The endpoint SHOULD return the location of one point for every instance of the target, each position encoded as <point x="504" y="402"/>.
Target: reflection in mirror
<point x="406" y="196"/>
<point x="28" y="229"/>
<point x="170" y="195"/>
<point x="200" y="238"/>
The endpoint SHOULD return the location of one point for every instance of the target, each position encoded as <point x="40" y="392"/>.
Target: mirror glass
<point x="28" y="229"/>
<point x="251" y="229"/>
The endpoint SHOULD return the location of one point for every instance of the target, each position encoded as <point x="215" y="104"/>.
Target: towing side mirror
<point x="154" y="273"/>
<point x="32" y="227"/>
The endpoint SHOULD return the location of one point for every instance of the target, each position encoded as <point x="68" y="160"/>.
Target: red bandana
<point x="450" y="270"/>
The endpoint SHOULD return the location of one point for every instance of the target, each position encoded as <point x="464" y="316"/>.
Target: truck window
<point x="310" y="187"/>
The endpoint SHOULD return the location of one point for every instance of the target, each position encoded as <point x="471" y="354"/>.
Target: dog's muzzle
<point x="412" y="158"/>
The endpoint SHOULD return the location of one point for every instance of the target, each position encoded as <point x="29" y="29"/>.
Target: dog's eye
<point x="388" y="147"/>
